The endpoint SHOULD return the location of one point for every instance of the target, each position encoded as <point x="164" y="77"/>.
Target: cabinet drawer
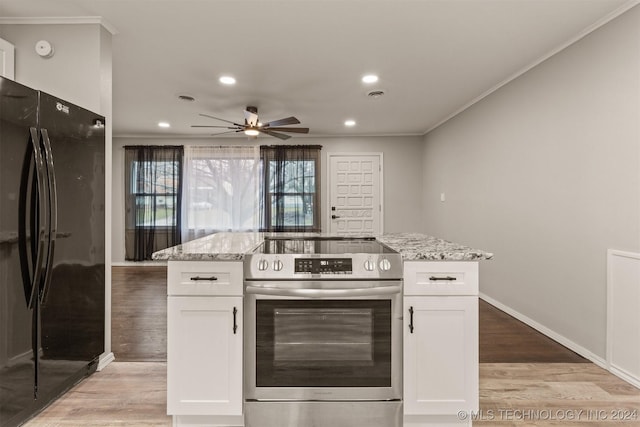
<point x="440" y="278"/>
<point x="204" y="278"/>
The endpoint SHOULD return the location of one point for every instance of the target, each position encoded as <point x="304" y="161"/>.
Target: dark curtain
<point x="291" y="188"/>
<point x="153" y="180"/>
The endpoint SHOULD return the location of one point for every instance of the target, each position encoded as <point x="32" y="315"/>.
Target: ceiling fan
<point x="252" y="127"/>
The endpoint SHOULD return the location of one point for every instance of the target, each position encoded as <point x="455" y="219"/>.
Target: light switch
<point x="442" y="198"/>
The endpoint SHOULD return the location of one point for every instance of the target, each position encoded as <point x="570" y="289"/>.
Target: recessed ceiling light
<point x="164" y="125"/>
<point x="350" y="123"/>
<point x="369" y="78"/>
<point x="227" y="80"/>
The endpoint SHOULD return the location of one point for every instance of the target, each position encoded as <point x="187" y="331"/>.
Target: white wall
<point x="545" y="172"/>
<point x="402" y="158"/>
<point x="74" y="72"/>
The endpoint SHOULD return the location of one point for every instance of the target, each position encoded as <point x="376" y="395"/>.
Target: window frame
<point x="268" y="196"/>
<point x="133" y="218"/>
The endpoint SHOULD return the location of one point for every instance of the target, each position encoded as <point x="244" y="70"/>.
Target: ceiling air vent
<point x="375" y="94"/>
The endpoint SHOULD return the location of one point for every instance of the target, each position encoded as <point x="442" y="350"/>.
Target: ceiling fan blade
<point x="229" y="131"/>
<point x="295" y="130"/>
<point x="251" y="118"/>
<point x="222" y="120"/>
<point x="207" y="126"/>
<point x="276" y="134"/>
<point x="281" y="122"/>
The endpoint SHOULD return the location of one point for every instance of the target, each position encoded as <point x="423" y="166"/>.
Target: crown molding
<point x="585" y="32"/>
<point x="65" y="20"/>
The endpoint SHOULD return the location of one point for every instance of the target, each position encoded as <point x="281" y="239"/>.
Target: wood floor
<point x="139" y="313"/>
<point x="526" y="379"/>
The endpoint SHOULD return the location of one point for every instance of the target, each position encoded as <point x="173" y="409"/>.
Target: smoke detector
<point x="44" y="49"/>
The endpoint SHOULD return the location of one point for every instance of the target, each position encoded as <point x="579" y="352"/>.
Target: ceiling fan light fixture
<point x="251" y="132"/>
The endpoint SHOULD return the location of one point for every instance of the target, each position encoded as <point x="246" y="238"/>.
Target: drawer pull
<point x="210" y="278"/>
<point x="448" y="278"/>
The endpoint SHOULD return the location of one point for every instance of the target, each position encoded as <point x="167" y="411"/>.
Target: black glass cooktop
<point x="322" y="245"/>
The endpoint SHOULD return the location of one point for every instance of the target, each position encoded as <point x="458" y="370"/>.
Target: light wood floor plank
<point x="122" y="394"/>
<point x="514" y="394"/>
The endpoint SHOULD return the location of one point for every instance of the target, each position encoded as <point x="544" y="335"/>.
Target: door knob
<point x="335" y="216"/>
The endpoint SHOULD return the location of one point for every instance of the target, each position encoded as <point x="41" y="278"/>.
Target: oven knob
<point x="385" y="264"/>
<point x="369" y="265"/>
<point x="277" y="265"/>
<point x="263" y="264"/>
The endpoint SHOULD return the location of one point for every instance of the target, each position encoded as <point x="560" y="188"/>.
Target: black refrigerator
<point x="52" y="248"/>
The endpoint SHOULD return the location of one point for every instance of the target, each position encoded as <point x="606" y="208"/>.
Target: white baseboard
<point x="628" y="377"/>
<point x="546" y="331"/>
<point x="105" y="359"/>
<point x="27" y="356"/>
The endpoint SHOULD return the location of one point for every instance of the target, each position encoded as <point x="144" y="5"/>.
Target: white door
<point x="7" y="53"/>
<point x="355" y="193"/>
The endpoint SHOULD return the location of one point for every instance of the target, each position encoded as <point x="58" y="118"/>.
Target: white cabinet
<point x="440" y="355"/>
<point x="204" y="339"/>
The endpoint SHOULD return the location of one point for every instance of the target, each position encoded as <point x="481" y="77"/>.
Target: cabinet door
<point x="440" y="355"/>
<point x="204" y="356"/>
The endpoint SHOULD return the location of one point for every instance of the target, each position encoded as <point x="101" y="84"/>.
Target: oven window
<point x="323" y="343"/>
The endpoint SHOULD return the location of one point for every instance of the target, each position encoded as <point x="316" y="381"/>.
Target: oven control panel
<point x="323" y="265"/>
<point x="301" y="267"/>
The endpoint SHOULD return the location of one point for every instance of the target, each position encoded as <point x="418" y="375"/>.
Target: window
<point x="155" y="199"/>
<point x="221" y="191"/>
<point x="153" y="177"/>
<point x="291" y="188"/>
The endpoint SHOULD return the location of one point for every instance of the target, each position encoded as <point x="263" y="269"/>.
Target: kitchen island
<point x="212" y="327"/>
<point x="227" y="246"/>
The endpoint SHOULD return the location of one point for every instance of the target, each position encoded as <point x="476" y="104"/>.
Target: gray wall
<point x="545" y="172"/>
<point x="402" y="157"/>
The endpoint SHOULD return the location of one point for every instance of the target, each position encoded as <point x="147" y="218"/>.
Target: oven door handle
<point x="324" y="293"/>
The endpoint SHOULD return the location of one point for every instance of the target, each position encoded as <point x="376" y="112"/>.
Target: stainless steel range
<point x="323" y="333"/>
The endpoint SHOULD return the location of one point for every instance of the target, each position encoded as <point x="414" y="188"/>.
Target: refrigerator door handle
<point x="31" y="274"/>
<point x="52" y="213"/>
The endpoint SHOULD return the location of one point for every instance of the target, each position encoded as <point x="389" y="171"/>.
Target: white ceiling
<point x="305" y="57"/>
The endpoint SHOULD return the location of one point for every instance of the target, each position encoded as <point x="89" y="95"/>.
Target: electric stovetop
<point x="322" y="245"/>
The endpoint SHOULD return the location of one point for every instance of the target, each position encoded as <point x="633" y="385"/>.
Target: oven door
<point x="323" y="340"/>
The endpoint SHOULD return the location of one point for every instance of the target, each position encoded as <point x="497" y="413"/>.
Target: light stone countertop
<point x="233" y="246"/>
